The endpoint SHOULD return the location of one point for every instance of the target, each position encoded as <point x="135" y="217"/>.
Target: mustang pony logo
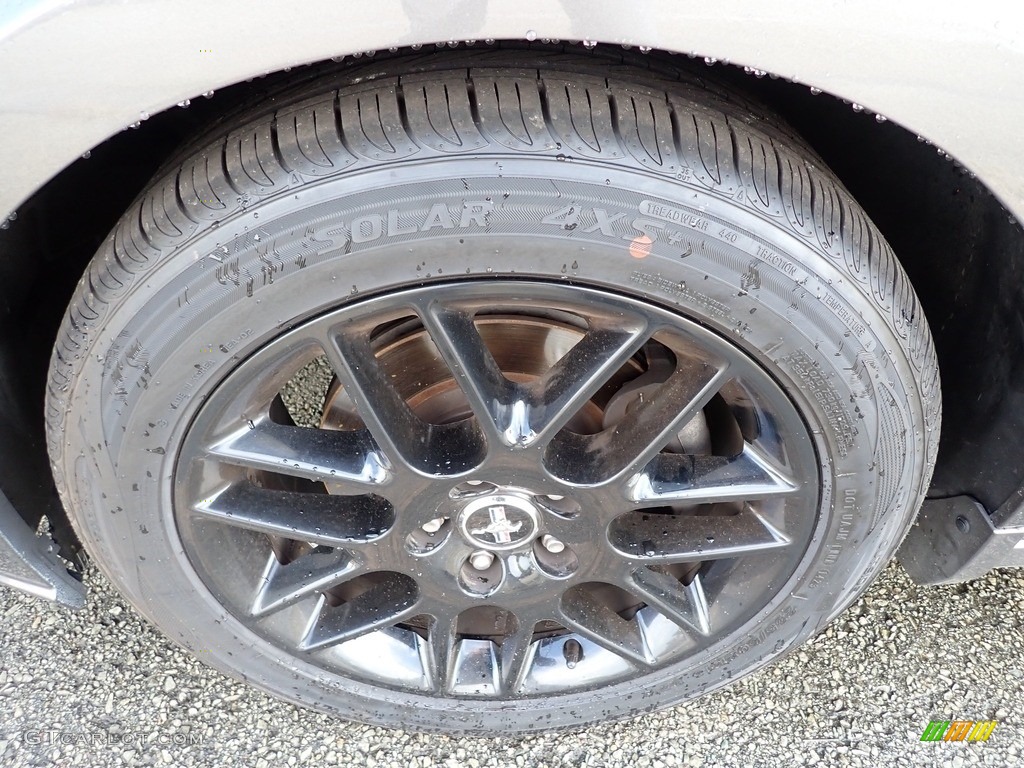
<point x="500" y="527"/>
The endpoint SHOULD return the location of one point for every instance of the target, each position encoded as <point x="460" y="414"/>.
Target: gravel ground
<point x="858" y="695"/>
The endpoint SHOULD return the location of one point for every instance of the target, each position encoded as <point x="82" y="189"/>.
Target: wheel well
<point x="964" y="254"/>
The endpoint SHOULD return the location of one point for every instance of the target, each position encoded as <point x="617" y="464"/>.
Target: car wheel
<point x="457" y="395"/>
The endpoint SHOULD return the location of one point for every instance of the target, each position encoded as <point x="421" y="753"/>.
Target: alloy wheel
<point x="497" y="489"/>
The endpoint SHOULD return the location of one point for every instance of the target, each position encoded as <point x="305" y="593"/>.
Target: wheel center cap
<point x="498" y="521"/>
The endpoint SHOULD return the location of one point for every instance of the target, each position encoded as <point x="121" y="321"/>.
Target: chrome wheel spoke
<point x="684" y="604"/>
<point x="312" y="517"/>
<point x="516" y="655"/>
<point x="626" y="448"/>
<point x="404" y="438"/>
<point x="442" y="647"/>
<point x="344" y="458"/>
<point x="577" y="377"/>
<point x="643" y="433"/>
<point x="583" y="613"/>
<point x="494" y="399"/>
<point x="665" y="538"/>
<point x="386" y="415"/>
<point x="681" y="479"/>
<point x="284" y="585"/>
<point x="390" y="601"/>
<point x="511" y="414"/>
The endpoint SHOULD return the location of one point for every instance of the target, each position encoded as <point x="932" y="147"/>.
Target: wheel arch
<point x="120" y="62"/>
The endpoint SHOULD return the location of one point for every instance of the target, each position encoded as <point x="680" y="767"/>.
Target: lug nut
<point x="551" y="544"/>
<point x="433" y="526"/>
<point x="481" y="560"/>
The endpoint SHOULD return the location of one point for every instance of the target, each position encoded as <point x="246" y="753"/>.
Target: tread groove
<point x="275" y="145"/>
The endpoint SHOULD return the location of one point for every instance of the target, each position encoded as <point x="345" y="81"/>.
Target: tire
<point x="578" y="187"/>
